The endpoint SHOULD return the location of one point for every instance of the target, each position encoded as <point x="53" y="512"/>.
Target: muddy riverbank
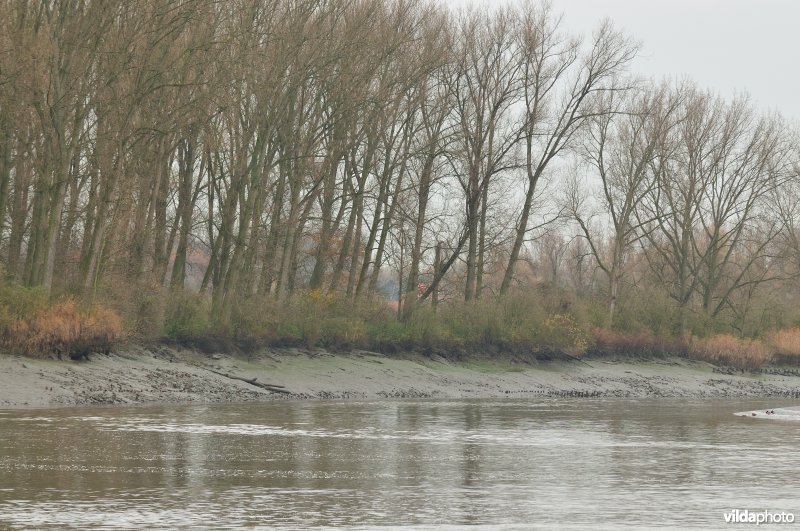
<point x="161" y="374"/>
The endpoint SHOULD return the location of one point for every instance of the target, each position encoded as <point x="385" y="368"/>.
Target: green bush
<point x="425" y="326"/>
<point x="140" y="304"/>
<point x="387" y="332"/>
<point x="20" y="302"/>
<point x="521" y="315"/>
<point x="654" y="313"/>
<point x="562" y="332"/>
<point x="257" y="318"/>
<point x="467" y="322"/>
<point x="343" y="330"/>
<point x="187" y="316"/>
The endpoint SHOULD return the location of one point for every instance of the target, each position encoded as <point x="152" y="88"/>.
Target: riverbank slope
<point x="160" y="374"/>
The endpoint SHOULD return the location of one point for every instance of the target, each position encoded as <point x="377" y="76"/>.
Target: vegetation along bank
<point x="382" y="176"/>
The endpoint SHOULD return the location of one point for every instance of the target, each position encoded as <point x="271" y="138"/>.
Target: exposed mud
<point x="139" y="374"/>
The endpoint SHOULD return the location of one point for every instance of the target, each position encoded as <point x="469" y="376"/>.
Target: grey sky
<point x="727" y="45"/>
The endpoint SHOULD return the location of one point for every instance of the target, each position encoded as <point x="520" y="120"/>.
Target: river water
<point x="569" y="464"/>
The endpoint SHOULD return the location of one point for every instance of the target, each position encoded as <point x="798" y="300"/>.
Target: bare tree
<point x="713" y="184"/>
<point x="485" y="87"/>
<point x="621" y="148"/>
<point x="562" y="91"/>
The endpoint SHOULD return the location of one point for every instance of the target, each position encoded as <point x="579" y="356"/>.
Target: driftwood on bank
<point x="252" y="381"/>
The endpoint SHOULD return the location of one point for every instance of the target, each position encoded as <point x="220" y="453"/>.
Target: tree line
<point x="264" y="148"/>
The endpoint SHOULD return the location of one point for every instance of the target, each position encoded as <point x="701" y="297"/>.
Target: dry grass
<point x="730" y="350"/>
<point x="635" y="344"/>
<point x="786" y="344"/>
<point x="64" y="331"/>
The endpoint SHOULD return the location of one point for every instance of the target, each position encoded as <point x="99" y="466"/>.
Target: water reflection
<point x="572" y="463"/>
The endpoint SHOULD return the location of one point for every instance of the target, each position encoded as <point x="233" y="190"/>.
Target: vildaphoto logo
<point x="744" y="516"/>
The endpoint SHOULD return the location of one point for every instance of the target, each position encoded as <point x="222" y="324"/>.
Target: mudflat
<point x="137" y="374"/>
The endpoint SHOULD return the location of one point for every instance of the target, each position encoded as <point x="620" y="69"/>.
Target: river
<point x="568" y="464"/>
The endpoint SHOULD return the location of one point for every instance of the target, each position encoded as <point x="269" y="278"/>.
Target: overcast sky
<point x="727" y="45"/>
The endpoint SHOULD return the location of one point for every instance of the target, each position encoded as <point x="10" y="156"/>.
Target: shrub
<point x="19" y="302"/>
<point x="357" y="322"/>
<point x="149" y="309"/>
<point x="140" y="304"/>
<point x="786" y="344"/>
<point x="305" y="316"/>
<point x="471" y="322"/>
<point x="312" y="317"/>
<point x="731" y="350"/>
<point x="390" y="331"/>
<point x="187" y="316"/>
<point x="65" y="331"/>
<point x="348" y="330"/>
<point x="561" y="331"/>
<point x="635" y="344"/>
<point x="653" y="312"/>
<point x="521" y="315"/>
<point x="426" y="326"/>
<point x="515" y="318"/>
